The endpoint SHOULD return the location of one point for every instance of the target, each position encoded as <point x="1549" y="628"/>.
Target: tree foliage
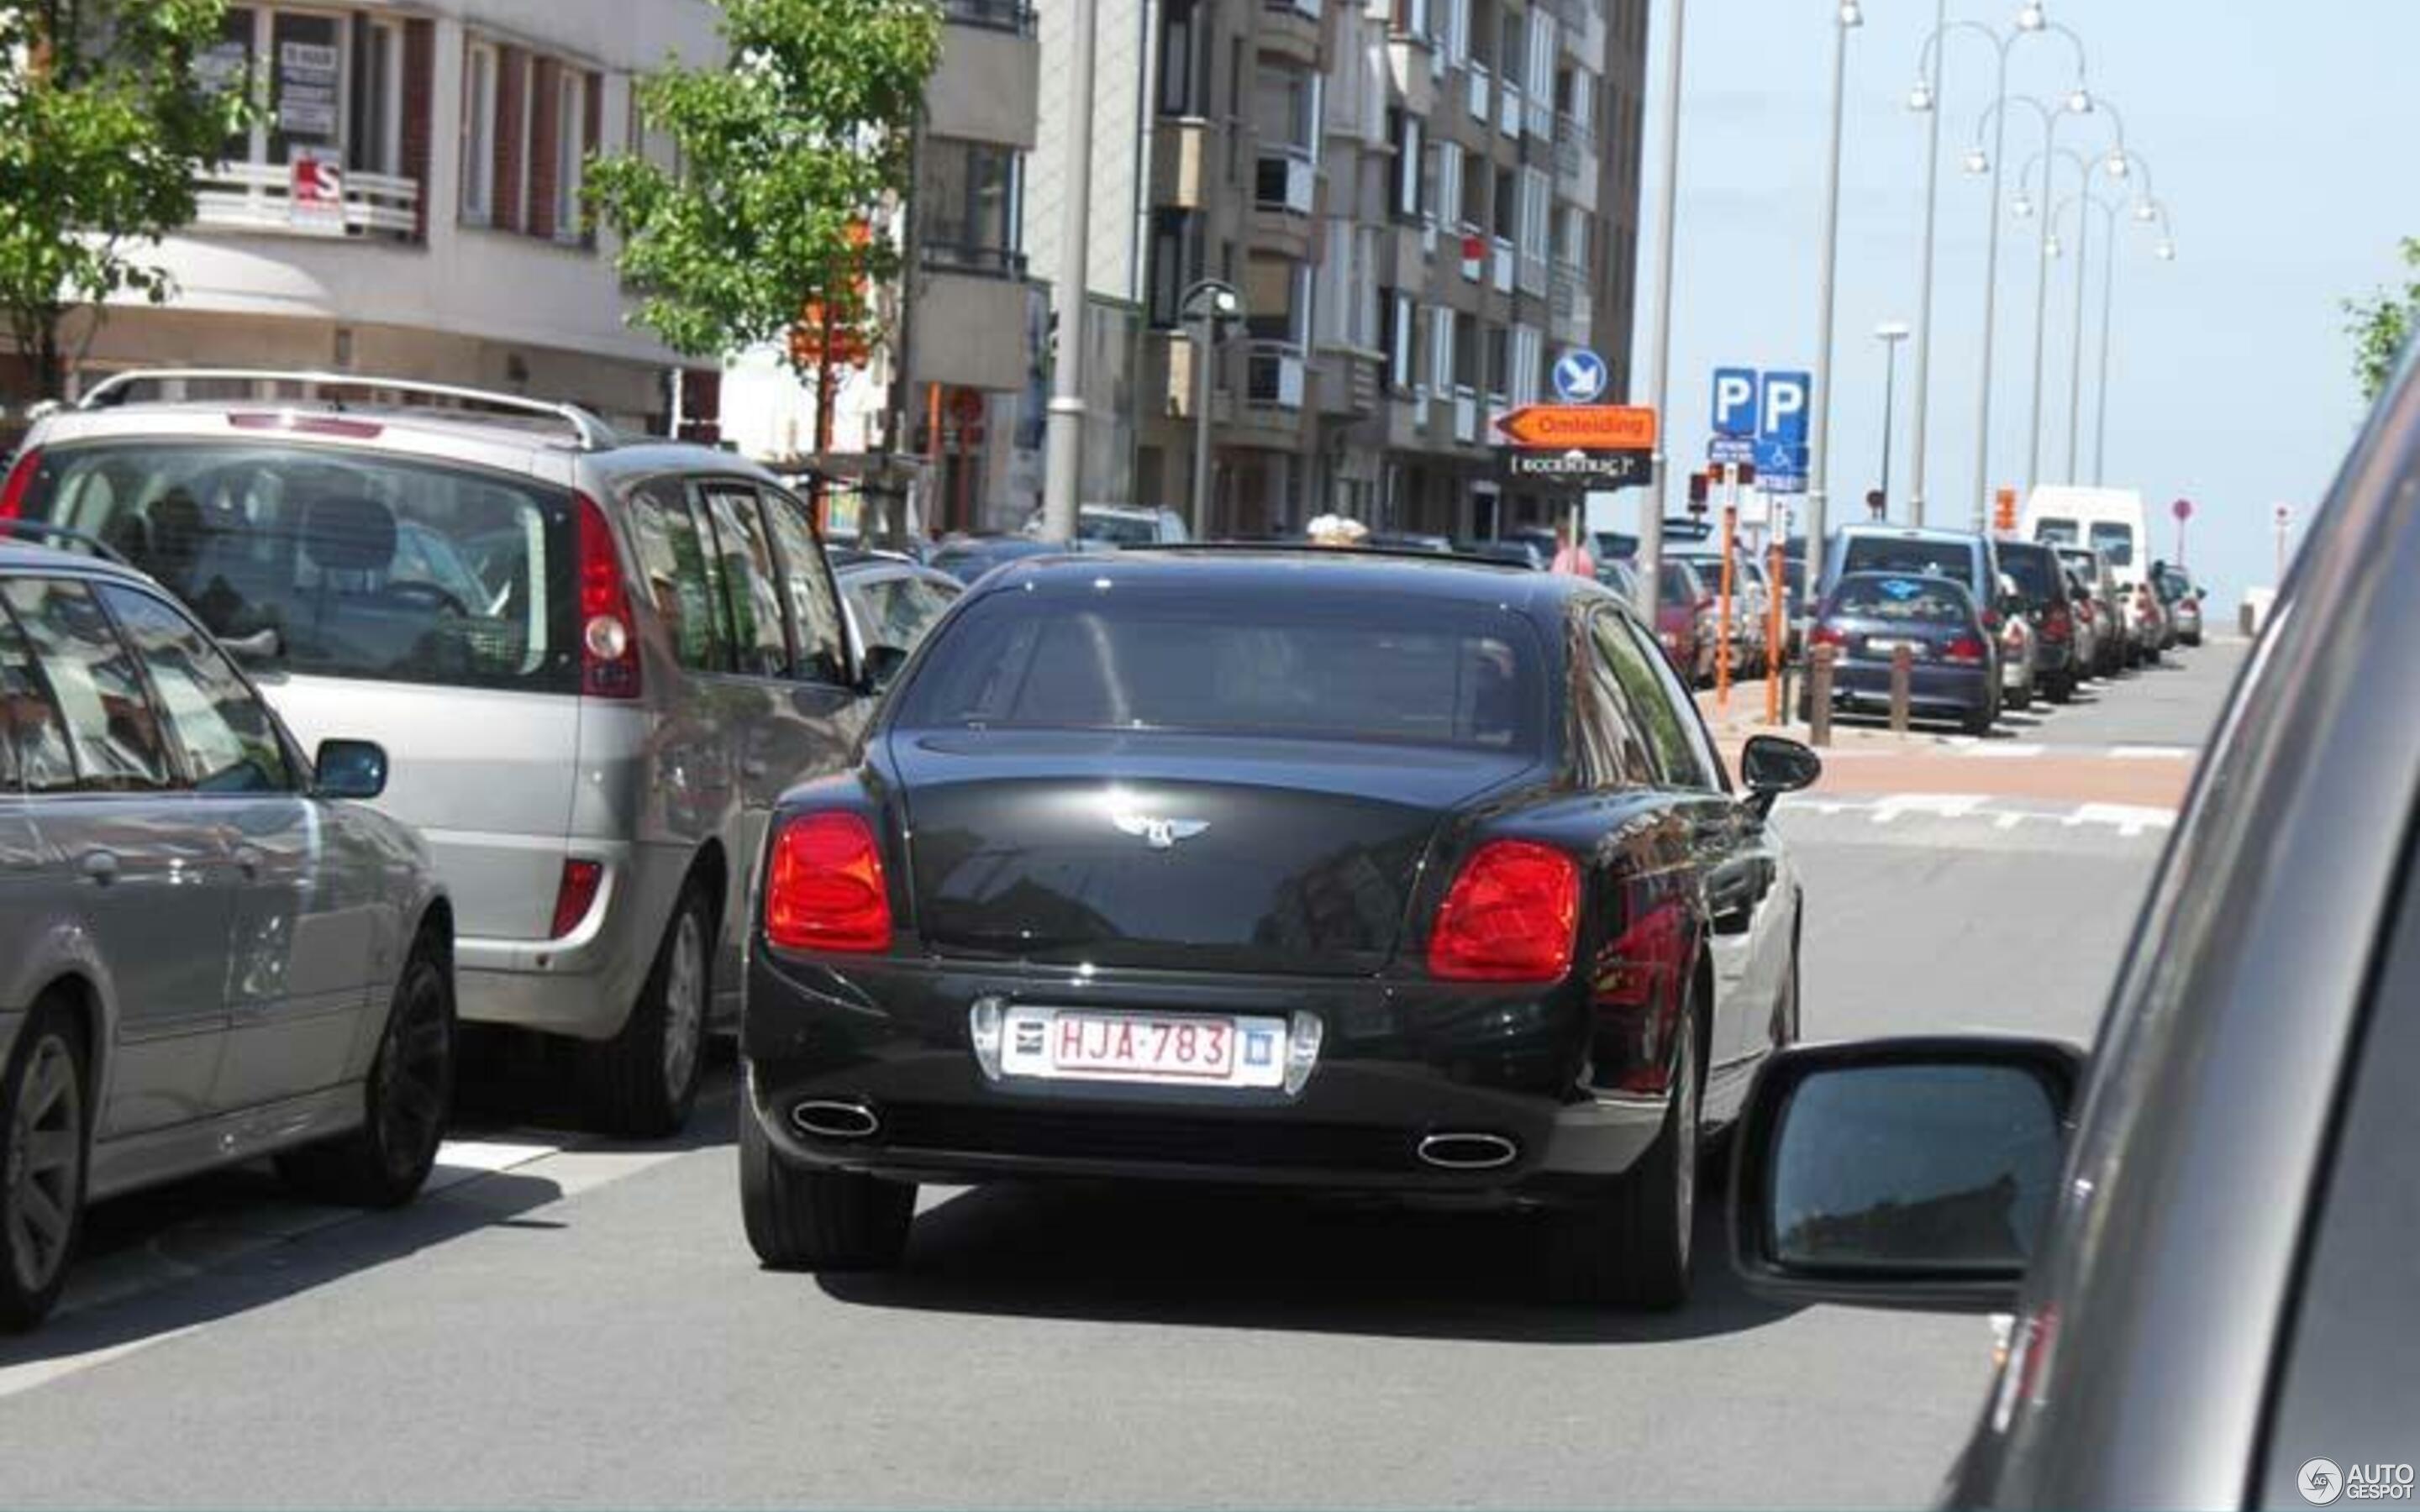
<point x="2381" y="323"/>
<point x="105" y="124"/>
<point x="783" y="156"/>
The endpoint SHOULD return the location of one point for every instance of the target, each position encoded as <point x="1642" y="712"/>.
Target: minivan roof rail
<point x="592" y="433"/>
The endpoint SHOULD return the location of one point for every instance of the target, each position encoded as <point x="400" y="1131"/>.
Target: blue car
<point x="1868" y="616"/>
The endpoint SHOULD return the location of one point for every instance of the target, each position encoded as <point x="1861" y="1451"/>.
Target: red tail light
<point x="1826" y="634"/>
<point x="2055" y="624"/>
<point x="575" y="895"/>
<point x="1992" y="620"/>
<point x="1966" y="651"/>
<point x="609" y="641"/>
<point x="21" y="482"/>
<point x="1509" y="916"/>
<point x="827" y="892"/>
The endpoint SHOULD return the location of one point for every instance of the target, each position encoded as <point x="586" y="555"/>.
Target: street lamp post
<point x="1203" y="307"/>
<point x="2030" y="22"/>
<point x="1890" y="333"/>
<point x="1819" y="424"/>
<point x="2145" y="209"/>
<point x="1927" y="82"/>
<point x="1064" y="463"/>
<point x="2049" y="157"/>
<point x="1650" y="513"/>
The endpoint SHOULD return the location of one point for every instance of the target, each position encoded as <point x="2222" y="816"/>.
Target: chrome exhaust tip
<point x="834" y="1121"/>
<point x="1467" y="1152"/>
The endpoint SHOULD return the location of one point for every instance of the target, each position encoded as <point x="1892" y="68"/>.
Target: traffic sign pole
<point x="1723" y="612"/>
<point x="1777" y="640"/>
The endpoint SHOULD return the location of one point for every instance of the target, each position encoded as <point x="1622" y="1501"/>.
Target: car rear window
<point x="2054" y="530"/>
<point x="364" y="565"/>
<point x="2115" y="541"/>
<point x="1416" y="671"/>
<point x="1954" y="560"/>
<point x="1679" y="584"/>
<point x="1916" y="600"/>
<point x="2034" y="573"/>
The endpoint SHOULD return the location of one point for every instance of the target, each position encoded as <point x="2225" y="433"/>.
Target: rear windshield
<point x="2036" y="577"/>
<point x="1915" y="600"/>
<point x="1954" y="560"/>
<point x="364" y="565"/>
<point x="2115" y="541"/>
<point x="1679" y="585"/>
<point x="1408" y="671"/>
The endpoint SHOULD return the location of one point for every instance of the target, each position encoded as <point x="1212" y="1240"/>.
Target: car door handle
<point x="101" y="866"/>
<point x="248" y="861"/>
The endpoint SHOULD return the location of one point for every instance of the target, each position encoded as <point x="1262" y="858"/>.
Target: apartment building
<point x="410" y="206"/>
<point x="1422" y="203"/>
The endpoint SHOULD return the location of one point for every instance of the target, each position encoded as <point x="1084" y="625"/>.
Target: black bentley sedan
<point x="1316" y="868"/>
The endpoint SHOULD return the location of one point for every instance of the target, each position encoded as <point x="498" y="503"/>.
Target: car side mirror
<point x="253" y="650"/>
<point x="1902" y="1173"/>
<point x="879" y="665"/>
<point x="1771" y="766"/>
<point x="350" y="769"/>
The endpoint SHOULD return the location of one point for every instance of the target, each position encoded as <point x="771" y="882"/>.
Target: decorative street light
<point x="2030" y="22"/>
<point x="2049" y="157"/>
<point x="2166" y="252"/>
<point x="1205" y="307"/>
<point x="1890" y="333"/>
<point x="1819" y="445"/>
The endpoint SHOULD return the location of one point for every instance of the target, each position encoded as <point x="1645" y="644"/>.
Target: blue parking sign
<point x="1781" y="418"/>
<point x="1735" y="401"/>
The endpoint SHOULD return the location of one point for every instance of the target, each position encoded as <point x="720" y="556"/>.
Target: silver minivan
<point x="596" y="662"/>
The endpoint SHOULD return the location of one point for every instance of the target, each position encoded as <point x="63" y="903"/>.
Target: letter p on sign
<point x="1785" y="409"/>
<point x="1735" y="401"/>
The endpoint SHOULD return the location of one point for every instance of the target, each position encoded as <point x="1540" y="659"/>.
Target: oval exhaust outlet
<point x="834" y="1121"/>
<point x="1469" y="1151"/>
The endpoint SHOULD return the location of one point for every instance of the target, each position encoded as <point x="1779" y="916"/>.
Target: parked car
<point x="2149" y="617"/>
<point x="1748" y="631"/>
<point x="2045" y="597"/>
<point x="591" y="747"/>
<point x="2183" y="600"/>
<point x="1291" y="869"/>
<point x="1620" y="576"/>
<point x="1412" y="541"/>
<point x="2109" y="520"/>
<point x="889" y="601"/>
<point x="1116" y="525"/>
<point x="2117" y="650"/>
<point x="1968" y="558"/>
<point x="968" y="557"/>
<point x="209" y="953"/>
<point x="1868" y="616"/>
<point x="1521" y="551"/>
<point x="2205" y="1230"/>
<point x="1686" y="619"/>
<point x="2018" y="642"/>
<point x="2090" y="629"/>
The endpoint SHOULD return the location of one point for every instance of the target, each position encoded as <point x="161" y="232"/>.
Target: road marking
<point x="2154" y="753"/>
<point x="1984" y="749"/>
<point x="1931" y="805"/>
<point x="2130" y="818"/>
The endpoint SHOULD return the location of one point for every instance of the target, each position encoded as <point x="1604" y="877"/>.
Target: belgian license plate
<point x="1885" y="645"/>
<point x="1186" y="1049"/>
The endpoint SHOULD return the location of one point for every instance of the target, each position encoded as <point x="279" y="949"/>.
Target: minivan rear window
<point x="2035" y="571"/>
<point x="1411" y="671"/>
<point x="1954" y="560"/>
<point x="1913" y="600"/>
<point x="363" y="565"/>
<point x="2115" y="541"/>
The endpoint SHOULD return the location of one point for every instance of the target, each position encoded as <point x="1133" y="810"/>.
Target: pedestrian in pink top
<point x="1569" y="557"/>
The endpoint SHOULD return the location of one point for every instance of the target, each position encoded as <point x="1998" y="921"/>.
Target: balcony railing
<point x="257" y="196"/>
<point x="965" y="258"/>
<point x="1477" y="100"/>
<point x="1287" y="180"/>
<point x="1509" y="110"/>
<point x="1012" y="16"/>
<point x="1466" y="416"/>
<point x="1273" y="375"/>
<point x="1503" y="265"/>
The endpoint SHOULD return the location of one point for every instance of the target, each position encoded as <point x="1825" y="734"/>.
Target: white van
<point x="2110" y="520"/>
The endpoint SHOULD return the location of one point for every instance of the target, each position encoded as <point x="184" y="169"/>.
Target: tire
<point x="2061" y="688"/>
<point x="1633" y="1247"/>
<point x="408" y="1099"/>
<point x="800" y="1219"/>
<point x="45" y="1139"/>
<point x="642" y="1083"/>
<point x="2023" y="699"/>
<point x="1980" y="722"/>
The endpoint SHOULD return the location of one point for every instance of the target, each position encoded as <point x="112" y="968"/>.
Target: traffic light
<point x="1697" y="493"/>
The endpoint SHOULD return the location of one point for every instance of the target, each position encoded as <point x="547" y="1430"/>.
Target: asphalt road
<point x="566" y="1324"/>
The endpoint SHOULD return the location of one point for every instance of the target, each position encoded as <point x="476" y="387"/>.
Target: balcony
<point x="1576" y="162"/>
<point x="1290" y="29"/>
<point x="1537" y="118"/>
<point x="1466" y="416"/>
<point x="985" y="87"/>
<point x="1501" y="264"/>
<point x="969" y="326"/>
<point x="1184" y="163"/>
<point x="1477" y="85"/>
<point x="257" y="196"/>
<point x="1014" y="17"/>
<point x="1413" y="66"/>
<point x="980" y="262"/>
<point x="1572" y="306"/>
<point x="1273" y="375"/>
<point x="1286" y="179"/>
<point x="1533" y="276"/>
<point x="1509" y="107"/>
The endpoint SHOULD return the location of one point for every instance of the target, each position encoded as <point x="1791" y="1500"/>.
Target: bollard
<point x="1819" y="694"/>
<point x="1903" y="671"/>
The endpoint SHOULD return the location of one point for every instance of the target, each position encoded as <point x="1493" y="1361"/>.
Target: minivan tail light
<point x="609" y="641"/>
<point x="1966" y="651"/>
<point x="1827" y="635"/>
<point x="575" y="894"/>
<point x="19" y="483"/>
<point x="2056" y="625"/>
<point x="828" y="891"/>
<point x="1509" y="917"/>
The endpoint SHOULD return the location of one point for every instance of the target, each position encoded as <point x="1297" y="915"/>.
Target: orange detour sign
<point x="1601" y="427"/>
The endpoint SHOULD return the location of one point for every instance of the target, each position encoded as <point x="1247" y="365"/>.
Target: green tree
<point x="106" y="121"/>
<point x="785" y="155"/>
<point x="2381" y="323"/>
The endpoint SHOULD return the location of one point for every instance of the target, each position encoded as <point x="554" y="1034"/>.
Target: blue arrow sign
<point x="1581" y="377"/>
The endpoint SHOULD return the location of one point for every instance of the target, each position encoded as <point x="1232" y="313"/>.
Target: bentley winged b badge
<point x="1158" y="833"/>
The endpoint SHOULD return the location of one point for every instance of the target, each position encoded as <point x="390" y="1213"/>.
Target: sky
<point x="2278" y="137"/>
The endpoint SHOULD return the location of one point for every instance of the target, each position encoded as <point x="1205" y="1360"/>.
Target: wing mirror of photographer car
<point x="1771" y="766"/>
<point x="1902" y="1173"/>
<point x="350" y="769"/>
<point x="880" y="666"/>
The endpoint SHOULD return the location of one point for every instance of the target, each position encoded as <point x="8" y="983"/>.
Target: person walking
<point x="1570" y="556"/>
